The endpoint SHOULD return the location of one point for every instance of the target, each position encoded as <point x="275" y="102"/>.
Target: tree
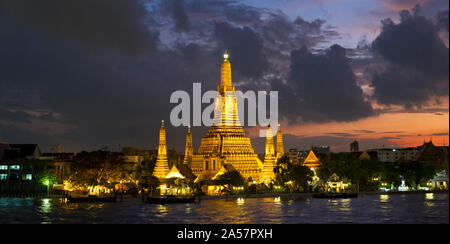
<point x="391" y="174"/>
<point x="345" y="165"/>
<point x="149" y="181"/>
<point x="47" y="177"/>
<point x="301" y="175"/>
<point x="371" y="168"/>
<point x="99" y="167"/>
<point x="323" y="172"/>
<point x="233" y="178"/>
<point x="286" y="171"/>
<point x="282" y="169"/>
<point x="416" y="172"/>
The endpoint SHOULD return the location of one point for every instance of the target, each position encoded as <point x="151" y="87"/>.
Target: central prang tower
<point x="226" y="142"/>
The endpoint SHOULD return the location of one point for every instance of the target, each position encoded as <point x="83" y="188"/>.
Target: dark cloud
<point x="12" y="134"/>
<point x="15" y="116"/>
<point x="105" y="72"/>
<point x="242" y="15"/>
<point x="177" y="9"/>
<point x="365" y="131"/>
<point x="440" y="134"/>
<point x="109" y="97"/>
<point x="310" y="27"/>
<point x="287" y="35"/>
<point x="245" y="48"/>
<point x="97" y="24"/>
<point x="417" y="67"/>
<point x="443" y="19"/>
<point x="322" y="87"/>
<point x="341" y="134"/>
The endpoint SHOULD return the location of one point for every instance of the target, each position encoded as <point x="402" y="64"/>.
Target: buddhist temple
<point x="280" y="147"/>
<point x="226" y="142"/>
<point x="226" y="168"/>
<point x="311" y="160"/>
<point x="334" y="184"/>
<point x="181" y="172"/>
<point x="162" y="164"/>
<point x="269" y="159"/>
<point x="189" y="150"/>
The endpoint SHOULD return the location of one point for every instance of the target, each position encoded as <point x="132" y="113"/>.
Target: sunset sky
<point x="89" y="74"/>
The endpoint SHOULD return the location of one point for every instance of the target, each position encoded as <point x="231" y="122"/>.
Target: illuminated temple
<point x="311" y="160"/>
<point x="162" y="164"/>
<point x="270" y="159"/>
<point x="189" y="149"/>
<point x="226" y="142"/>
<point x="280" y="147"/>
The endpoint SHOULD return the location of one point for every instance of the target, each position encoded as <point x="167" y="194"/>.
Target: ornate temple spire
<point x="162" y="164"/>
<point x="269" y="159"/>
<point x="225" y="72"/>
<point x="226" y="111"/>
<point x="280" y="147"/>
<point x="226" y="142"/>
<point x="270" y="149"/>
<point x="311" y="159"/>
<point x="189" y="150"/>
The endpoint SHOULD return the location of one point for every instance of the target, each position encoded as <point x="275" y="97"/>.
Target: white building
<point x="396" y="154"/>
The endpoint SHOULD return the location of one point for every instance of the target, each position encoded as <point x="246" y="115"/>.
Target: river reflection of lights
<point x="277" y="200"/>
<point x="188" y="209"/>
<point x="240" y="201"/>
<point x="429" y="196"/>
<point x="340" y="205"/>
<point x="162" y="210"/>
<point x="46" y="206"/>
<point x="385" y="209"/>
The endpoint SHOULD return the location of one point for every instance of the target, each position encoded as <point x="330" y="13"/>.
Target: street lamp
<point x="47" y="183"/>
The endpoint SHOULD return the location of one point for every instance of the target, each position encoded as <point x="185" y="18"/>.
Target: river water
<point x="395" y="208"/>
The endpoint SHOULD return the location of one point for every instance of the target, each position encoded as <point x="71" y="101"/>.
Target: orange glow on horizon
<point x="402" y="129"/>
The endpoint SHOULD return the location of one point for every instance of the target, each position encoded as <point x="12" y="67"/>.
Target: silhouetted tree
<point x="233" y="178"/>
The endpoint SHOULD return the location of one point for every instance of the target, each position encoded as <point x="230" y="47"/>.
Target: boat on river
<point x="335" y="195"/>
<point x="92" y="198"/>
<point x="170" y="199"/>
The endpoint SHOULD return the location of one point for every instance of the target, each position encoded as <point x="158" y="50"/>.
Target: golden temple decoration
<point x="280" y="147"/>
<point x="162" y="164"/>
<point x="311" y="160"/>
<point x="269" y="159"/>
<point x="189" y="149"/>
<point x="174" y="173"/>
<point x="226" y="142"/>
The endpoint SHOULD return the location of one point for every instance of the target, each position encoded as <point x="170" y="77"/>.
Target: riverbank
<point x="309" y="194"/>
<point x="283" y="195"/>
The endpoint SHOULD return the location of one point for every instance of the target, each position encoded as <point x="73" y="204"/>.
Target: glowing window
<point x="28" y="177"/>
<point x="3" y="176"/>
<point x="15" y="167"/>
<point x="3" y="167"/>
